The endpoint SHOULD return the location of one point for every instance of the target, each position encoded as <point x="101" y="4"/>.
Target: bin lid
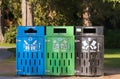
<point x="30" y="30"/>
<point x="91" y="30"/>
<point x="59" y="30"/>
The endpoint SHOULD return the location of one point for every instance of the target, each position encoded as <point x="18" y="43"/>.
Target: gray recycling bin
<point x="89" y="51"/>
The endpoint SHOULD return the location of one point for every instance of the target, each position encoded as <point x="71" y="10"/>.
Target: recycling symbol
<point x="31" y="46"/>
<point x="86" y="44"/>
<point x="93" y="45"/>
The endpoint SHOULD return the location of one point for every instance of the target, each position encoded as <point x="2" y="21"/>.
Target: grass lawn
<point x="12" y="48"/>
<point x="7" y="45"/>
<point x="112" y="58"/>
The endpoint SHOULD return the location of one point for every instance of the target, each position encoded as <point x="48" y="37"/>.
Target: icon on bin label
<point x="55" y="46"/>
<point x="89" y="44"/>
<point x="64" y="46"/>
<point x="60" y="44"/>
<point x="31" y="47"/>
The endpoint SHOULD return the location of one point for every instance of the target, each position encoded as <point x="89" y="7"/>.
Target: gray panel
<point x="77" y="55"/>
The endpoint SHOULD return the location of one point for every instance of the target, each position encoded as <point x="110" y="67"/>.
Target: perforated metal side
<point x="89" y="55"/>
<point x="59" y="55"/>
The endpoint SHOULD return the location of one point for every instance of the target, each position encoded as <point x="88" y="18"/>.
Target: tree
<point x="27" y="13"/>
<point x="1" y="33"/>
<point x="114" y="2"/>
<point x="86" y="13"/>
<point x="24" y="13"/>
<point x="30" y="16"/>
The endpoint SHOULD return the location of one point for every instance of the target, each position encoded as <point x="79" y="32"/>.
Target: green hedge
<point x="10" y="35"/>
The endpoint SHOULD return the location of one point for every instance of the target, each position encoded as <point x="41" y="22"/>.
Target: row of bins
<point x="62" y="50"/>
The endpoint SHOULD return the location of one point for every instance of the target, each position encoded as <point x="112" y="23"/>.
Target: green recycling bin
<point x="60" y="50"/>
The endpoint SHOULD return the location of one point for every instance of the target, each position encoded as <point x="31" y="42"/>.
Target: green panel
<point x="60" y="55"/>
<point x="64" y="30"/>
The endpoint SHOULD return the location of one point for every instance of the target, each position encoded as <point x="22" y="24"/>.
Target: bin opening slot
<point x="89" y="30"/>
<point x="59" y="30"/>
<point x="30" y="30"/>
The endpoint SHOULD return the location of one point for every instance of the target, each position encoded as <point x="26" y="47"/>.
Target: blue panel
<point x="30" y="51"/>
<point x="30" y="31"/>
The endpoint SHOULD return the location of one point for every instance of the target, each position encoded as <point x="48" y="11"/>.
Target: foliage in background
<point x="112" y="1"/>
<point x="52" y="12"/>
<point x="112" y="39"/>
<point x="10" y="35"/>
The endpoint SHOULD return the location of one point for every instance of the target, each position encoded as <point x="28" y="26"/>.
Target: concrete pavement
<point x="51" y="77"/>
<point x="4" y="54"/>
<point x="6" y="68"/>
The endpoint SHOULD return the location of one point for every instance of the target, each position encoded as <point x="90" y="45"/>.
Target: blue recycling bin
<point x="30" y="50"/>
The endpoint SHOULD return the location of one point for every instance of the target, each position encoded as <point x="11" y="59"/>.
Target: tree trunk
<point x="24" y="13"/>
<point x="27" y="14"/>
<point x="86" y="14"/>
<point x="50" y="13"/>
<point x="1" y="33"/>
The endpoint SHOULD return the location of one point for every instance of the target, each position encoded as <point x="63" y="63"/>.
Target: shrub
<point x="10" y="35"/>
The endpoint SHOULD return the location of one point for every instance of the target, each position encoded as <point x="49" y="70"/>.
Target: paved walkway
<point x="74" y="77"/>
<point x="6" y="67"/>
<point x="4" y="54"/>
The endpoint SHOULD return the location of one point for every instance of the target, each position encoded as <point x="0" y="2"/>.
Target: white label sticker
<point x="78" y="30"/>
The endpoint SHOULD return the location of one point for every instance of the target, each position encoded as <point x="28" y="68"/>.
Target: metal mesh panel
<point x="90" y="56"/>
